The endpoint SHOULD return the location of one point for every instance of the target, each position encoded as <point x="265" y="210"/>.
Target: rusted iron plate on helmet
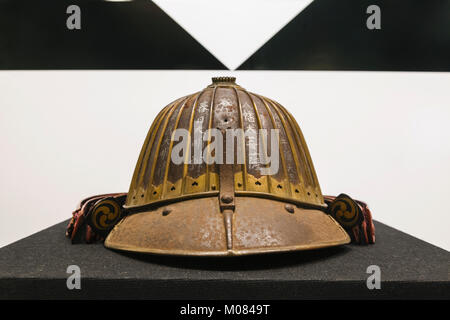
<point x="196" y="227"/>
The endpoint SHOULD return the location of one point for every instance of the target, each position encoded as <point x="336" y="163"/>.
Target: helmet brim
<point x="196" y="227"/>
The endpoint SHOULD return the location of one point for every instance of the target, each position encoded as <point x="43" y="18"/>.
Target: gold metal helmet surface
<point x="203" y="208"/>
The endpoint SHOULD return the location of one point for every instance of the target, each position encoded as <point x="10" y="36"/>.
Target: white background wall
<point x="380" y="137"/>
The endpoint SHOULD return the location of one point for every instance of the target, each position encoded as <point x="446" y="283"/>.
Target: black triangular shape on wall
<point x="332" y="35"/>
<point x="113" y="35"/>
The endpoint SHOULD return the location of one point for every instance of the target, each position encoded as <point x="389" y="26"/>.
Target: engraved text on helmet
<point x="208" y="147"/>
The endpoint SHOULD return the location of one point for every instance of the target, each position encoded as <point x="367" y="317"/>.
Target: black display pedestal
<point x="35" y="268"/>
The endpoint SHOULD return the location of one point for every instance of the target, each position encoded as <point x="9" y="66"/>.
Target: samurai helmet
<point x="223" y="171"/>
<point x="206" y="207"/>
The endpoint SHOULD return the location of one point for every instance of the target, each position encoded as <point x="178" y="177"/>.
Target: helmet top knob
<point x="224" y="79"/>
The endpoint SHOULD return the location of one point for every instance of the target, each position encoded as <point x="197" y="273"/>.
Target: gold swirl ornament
<point x="345" y="211"/>
<point x="105" y="215"/>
